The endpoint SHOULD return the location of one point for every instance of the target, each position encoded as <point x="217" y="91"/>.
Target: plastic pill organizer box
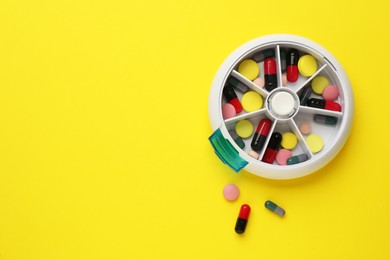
<point x="282" y="106"/>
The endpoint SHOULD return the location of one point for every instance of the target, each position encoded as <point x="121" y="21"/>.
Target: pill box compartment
<point x="333" y="136"/>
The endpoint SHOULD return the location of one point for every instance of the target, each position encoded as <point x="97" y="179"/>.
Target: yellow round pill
<point x="307" y="65"/>
<point x="244" y="128"/>
<point x="315" y="143"/>
<point x="251" y="101"/>
<point x="249" y="69"/>
<point x="289" y="141"/>
<point x="318" y="84"/>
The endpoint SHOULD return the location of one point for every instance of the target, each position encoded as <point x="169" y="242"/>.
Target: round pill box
<point x="282" y="106"/>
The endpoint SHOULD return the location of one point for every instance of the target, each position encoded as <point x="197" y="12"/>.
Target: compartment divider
<point x="250" y="84"/>
<point x="301" y="139"/>
<point x="319" y="111"/>
<point x="278" y="66"/>
<point x="311" y="77"/>
<point x="245" y="116"/>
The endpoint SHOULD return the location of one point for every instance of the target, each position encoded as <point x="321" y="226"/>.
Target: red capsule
<point x="269" y="66"/>
<point x="264" y="127"/>
<point x="272" y="148"/>
<point x="237" y="105"/>
<point x="261" y="134"/>
<point x="330" y="105"/>
<point x="320" y="103"/>
<point x="270" y="156"/>
<point x="231" y="97"/>
<point x="242" y="219"/>
<point x="270" y="79"/>
<point x="244" y="211"/>
<point x="292" y="68"/>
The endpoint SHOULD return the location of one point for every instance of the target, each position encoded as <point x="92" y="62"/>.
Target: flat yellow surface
<point x="104" y="126"/>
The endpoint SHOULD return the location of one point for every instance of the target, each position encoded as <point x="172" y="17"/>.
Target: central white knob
<point x="282" y="103"/>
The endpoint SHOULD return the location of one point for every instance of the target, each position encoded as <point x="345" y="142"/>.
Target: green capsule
<point x="275" y="208"/>
<point x="283" y="61"/>
<point x="297" y="159"/>
<point x="237" y="84"/>
<point x="263" y="55"/>
<point x="237" y="139"/>
<point x="327" y="120"/>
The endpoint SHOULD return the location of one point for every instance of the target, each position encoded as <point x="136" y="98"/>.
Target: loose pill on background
<point x="251" y="101"/>
<point x="237" y="139"/>
<point x="297" y="159"/>
<point x="244" y="128"/>
<point x="305" y="128"/>
<point x="326" y="120"/>
<point x="231" y="192"/>
<point x="318" y="84"/>
<point x="253" y="154"/>
<point x="249" y="69"/>
<point x="289" y="141"/>
<point x="228" y="111"/>
<point x="259" y="82"/>
<point x="315" y="143"/>
<point x="282" y="156"/>
<point x="330" y="93"/>
<point x="237" y="84"/>
<point x="324" y="104"/>
<point x="307" y="65"/>
<point x="242" y="219"/>
<point x="274" y="208"/>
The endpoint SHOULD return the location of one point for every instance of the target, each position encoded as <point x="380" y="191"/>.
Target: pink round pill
<point x="259" y="82"/>
<point x="282" y="156"/>
<point x="330" y="93"/>
<point x="228" y="111"/>
<point x="231" y="192"/>
<point x="305" y="128"/>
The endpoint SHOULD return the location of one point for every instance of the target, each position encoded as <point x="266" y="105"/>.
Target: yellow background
<point x="104" y="126"/>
